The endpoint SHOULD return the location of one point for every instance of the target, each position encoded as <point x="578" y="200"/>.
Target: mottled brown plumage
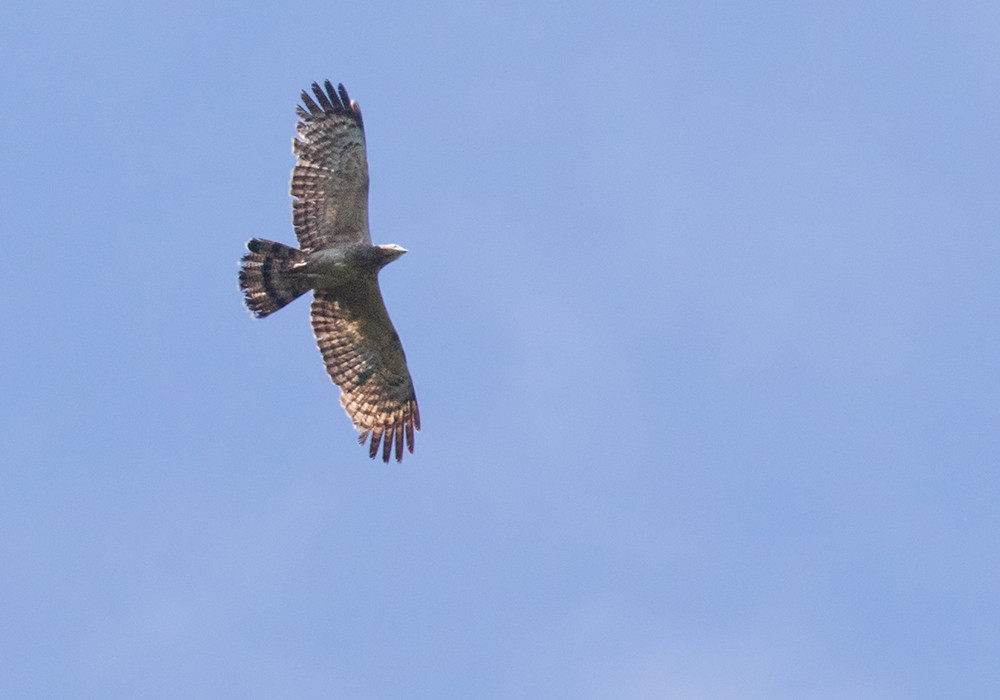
<point x="336" y="259"/>
<point x="330" y="179"/>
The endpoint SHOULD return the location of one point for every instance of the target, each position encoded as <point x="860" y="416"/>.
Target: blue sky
<point x="701" y="308"/>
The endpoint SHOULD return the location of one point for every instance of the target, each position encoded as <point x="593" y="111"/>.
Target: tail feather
<point x="267" y="277"/>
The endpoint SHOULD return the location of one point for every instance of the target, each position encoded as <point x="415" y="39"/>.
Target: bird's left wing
<point x="365" y="358"/>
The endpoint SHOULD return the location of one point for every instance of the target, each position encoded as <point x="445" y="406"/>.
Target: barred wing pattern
<point x="365" y="359"/>
<point x="330" y="179"/>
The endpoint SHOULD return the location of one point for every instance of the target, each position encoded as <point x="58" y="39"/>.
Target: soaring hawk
<point x="337" y="261"/>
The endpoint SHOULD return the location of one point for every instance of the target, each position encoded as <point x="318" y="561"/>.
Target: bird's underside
<point x="336" y="260"/>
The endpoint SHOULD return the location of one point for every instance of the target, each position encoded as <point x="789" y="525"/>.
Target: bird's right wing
<point x="330" y="178"/>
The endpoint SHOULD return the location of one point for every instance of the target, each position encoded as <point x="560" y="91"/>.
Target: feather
<point x="324" y="101"/>
<point x="313" y="108"/>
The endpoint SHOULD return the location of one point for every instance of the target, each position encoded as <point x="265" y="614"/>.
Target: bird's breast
<point x="330" y="268"/>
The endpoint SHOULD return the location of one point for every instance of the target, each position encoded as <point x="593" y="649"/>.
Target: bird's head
<point x="389" y="252"/>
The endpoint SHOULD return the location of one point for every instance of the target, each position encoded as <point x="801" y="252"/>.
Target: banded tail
<point x="268" y="278"/>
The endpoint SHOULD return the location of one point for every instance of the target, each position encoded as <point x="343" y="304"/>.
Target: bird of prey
<point x="337" y="261"/>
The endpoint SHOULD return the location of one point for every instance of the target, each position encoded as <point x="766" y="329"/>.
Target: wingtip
<point x="387" y="440"/>
<point x="392" y="439"/>
<point x="326" y="100"/>
<point x="373" y="446"/>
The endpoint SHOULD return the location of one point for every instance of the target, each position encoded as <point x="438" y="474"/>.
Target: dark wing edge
<point x="364" y="357"/>
<point x="330" y="102"/>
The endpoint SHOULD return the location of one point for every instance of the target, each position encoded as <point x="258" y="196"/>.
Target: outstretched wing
<point x="330" y="179"/>
<point x="365" y="359"/>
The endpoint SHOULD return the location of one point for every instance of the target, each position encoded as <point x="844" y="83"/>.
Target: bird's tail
<point x="268" y="278"/>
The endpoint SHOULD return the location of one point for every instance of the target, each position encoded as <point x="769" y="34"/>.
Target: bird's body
<point x="331" y="268"/>
<point x="337" y="261"/>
